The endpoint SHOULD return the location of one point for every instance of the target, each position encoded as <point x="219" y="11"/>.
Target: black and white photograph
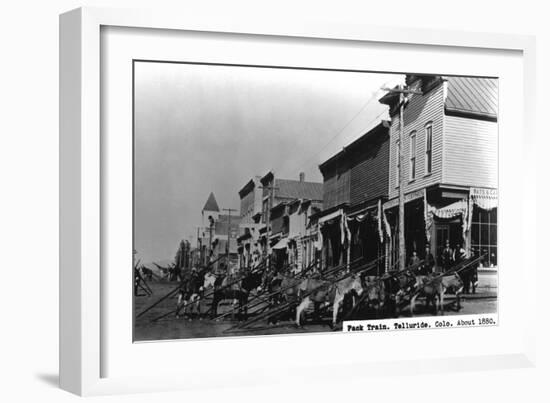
<point x="270" y="200"/>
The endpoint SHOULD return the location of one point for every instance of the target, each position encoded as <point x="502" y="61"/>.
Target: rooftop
<point x="295" y="189"/>
<point x="379" y="129"/>
<point x="211" y="204"/>
<point x="471" y="96"/>
<point x="475" y="95"/>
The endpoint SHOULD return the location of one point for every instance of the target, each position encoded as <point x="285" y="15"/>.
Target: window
<point x="484" y="235"/>
<point x="428" y="157"/>
<point x="412" y="156"/>
<point x="397" y="164"/>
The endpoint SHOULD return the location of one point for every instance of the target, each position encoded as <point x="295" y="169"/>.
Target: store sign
<point x="486" y="199"/>
<point x="483" y="192"/>
<point x="418" y="194"/>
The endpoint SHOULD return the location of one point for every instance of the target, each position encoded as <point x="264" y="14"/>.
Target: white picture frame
<point x="82" y="177"/>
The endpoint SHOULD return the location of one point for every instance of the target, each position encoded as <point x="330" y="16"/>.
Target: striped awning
<point x="282" y="244"/>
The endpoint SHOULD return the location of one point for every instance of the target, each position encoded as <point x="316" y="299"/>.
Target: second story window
<point x="428" y="157"/>
<point x="397" y="164"/>
<point x="412" y="157"/>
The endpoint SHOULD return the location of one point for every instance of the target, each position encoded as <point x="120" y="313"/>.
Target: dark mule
<point x="147" y="273"/>
<point x="189" y="293"/>
<point x="283" y="289"/>
<point x="433" y="288"/>
<point x="237" y="290"/>
<point x="398" y="286"/>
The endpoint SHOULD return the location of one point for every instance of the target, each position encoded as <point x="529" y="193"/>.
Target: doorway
<point x="449" y="229"/>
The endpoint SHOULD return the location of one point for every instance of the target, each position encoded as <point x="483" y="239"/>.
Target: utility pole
<point x="401" y="90"/>
<point x="229" y="210"/>
<point x="199" y="247"/>
<point x="211" y="251"/>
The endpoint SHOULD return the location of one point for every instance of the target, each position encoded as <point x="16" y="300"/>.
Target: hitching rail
<point x="212" y="291"/>
<point x="172" y="292"/>
<point x="288" y="305"/>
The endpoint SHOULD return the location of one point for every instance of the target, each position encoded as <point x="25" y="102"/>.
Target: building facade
<point x="355" y="185"/>
<point x="217" y="237"/>
<point x="285" y="202"/>
<point x="449" y="140"/>
<point x="250" y="213"/>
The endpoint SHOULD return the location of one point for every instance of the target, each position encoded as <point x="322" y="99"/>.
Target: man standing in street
<point x="447" y="257"/>
<point x="465" y="275"/>
<point x="429" y="262"/>
<point x="414" y="259"/>
<point x="459" y="254"/>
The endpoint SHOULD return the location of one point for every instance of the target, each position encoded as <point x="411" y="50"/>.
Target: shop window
<point x="484" y="235"/>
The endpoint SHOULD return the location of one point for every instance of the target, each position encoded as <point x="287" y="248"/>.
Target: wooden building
<point x="355" y="184"/>
<point x="450" y="144"/>
<point x="281" y="200"/>
<point x="250" y="212"/>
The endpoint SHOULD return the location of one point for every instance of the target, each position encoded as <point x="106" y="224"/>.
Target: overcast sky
<point x="202" y="129"/>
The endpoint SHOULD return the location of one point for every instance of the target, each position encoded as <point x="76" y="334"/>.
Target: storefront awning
<point x="282" y="244"/>
<point x="361" y="214"/>
<point x="487" y="199"/>
<point x="408" y="197"/>
<point x="452" y="210"/>
<point x="330" y="216"/>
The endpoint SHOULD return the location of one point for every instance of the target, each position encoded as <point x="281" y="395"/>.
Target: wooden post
<point x="402" y="254"/>
<point x="229" y="210"/>
<point x="401" y="184"/>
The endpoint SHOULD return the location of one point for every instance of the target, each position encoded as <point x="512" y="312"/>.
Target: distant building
<point x="450" y="141"/>
<point x="251" y="209"/>
<point x="302" y="235"/>
<point x="279" y="198"/>
<point x="218" y="235"/>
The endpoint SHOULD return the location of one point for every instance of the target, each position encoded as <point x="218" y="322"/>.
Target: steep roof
<point x="255" y="181"/>
<point x="472" y="95"/>
<point x="211" y="204"/>
<point x="293" y="189"/>
<point x="381" y="128"/>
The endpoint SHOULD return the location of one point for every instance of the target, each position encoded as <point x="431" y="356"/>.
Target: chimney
<point x="302" y="176"/>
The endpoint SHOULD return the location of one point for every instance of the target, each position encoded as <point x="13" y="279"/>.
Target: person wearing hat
<point x="447" y="257"/>
<point x="414" y="259"/>
<point x="459" y="254"/>
<point x="429" y="262"/>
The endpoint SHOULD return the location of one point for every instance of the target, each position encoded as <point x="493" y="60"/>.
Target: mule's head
<point x="357" y="285"/>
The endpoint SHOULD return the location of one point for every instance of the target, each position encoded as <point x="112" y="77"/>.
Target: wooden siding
<point x="251" y="204"/>
<point x="420" y="110"/>
<point x="471" y="152"/>
<point x="278" y="223"/>
<point x="247" y="206"/>
<point x="369" y="171"/>
<point x="336" y="187"/>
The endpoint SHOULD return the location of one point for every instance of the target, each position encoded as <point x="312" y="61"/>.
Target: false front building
<point x="355" y="185"/>
<point x="249" y="231"/>
<point x="284" y="227"/>
<point x="449" y="142"/>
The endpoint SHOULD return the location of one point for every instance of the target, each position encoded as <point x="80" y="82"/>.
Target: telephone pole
<point x="402" y="91"/>
<point x="229" y="210"/>
<point x="211" y="226"/>
<point x="199" y="247"/>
